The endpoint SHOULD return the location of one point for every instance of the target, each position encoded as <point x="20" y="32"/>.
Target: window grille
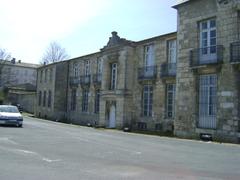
<point x="207" y="101"/>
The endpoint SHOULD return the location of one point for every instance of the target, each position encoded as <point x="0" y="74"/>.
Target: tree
<point x="4" y="55"/>
<point x="54" y="53"/>
<point x="4" y="58"/>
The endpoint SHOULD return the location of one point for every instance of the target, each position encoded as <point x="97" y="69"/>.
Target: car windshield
<point x="10" y="109"/>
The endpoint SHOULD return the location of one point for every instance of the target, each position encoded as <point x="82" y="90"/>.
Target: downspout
<point x="125" y="89"/>
<point x="67" y="90"/>
<point x="36" y="96"/>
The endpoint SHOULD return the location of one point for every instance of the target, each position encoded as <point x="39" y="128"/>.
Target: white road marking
<point x="50" y="160"/>
<point x="30" y="153"/>
<point x="7" y="140"/>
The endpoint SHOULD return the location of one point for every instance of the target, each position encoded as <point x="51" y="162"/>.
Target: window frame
<point x="40" y="98"/>
<point x="73" y="99"/>
<point x="97" y="101"/>
<point x="171" y="95"/>
<point x="85" y="98"/>
<point x="49" y="98"/>
<point x="44" y="98"/>
<point x="113" y="78"/>
<point x="147" y="101"/>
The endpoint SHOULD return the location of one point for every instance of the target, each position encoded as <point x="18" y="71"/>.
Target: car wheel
<point x="19" y="125"/>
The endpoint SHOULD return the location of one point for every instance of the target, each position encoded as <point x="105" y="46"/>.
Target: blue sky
<point x="81" y="27"/>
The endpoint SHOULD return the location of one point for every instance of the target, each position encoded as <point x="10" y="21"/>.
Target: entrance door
<point x="112" y="117"/>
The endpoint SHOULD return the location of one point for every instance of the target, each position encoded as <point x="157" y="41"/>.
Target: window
<point x="44" y="98"/>
<point x="208" y="40"/>
<point x="97" y="101"/>
<point x="50" y="74"/>
<point x="149" y="61"/>
<point x="147" y="100"/>
<point x="45" y="75"/>
<point x="172" y="51"/>
<point x="49" y="98"/>
<point x="207" y="101"/>
<point x="41" y="76"/>
<point x="39" y="98"/>
<point x="75" y="70"/>
<point x="142" y="126"/>
<point x="85" y="100"/>
<point x="99" y="66"/>
<point x="87" y="68"/>
<point x="149" y="55"/>
<point x="171" y="89"/>
<point x="113" y="82"/>
<point x="238" y="24"/>
<point x="73" y="99"/>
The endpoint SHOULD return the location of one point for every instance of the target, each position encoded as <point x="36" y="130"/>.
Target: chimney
<point x="19" y="61"/>
<point x="13" y="61"/>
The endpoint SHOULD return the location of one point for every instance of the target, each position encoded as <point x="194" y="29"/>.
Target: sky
<point x="80" y="26"/>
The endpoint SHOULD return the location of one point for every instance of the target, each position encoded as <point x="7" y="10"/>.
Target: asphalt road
<point x="45" y="150"/>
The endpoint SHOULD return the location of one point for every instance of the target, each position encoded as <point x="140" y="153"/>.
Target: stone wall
<point x="189" y="16"/>
<point x="159" y="85"/>
<point x="56" y="82"/>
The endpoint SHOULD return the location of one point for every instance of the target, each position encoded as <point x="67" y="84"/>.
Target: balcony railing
<point x="235" y="52"/>
<point x="168" y="70"/>
<point x="147" y="73"/>
<point x="74" y="81"/>
<point x="97" y="78"/>
<point x="85" y="80"/>
<point x="207" y="55"/>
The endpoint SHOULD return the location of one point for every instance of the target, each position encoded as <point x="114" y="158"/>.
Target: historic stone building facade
<point x="185" y="82"/>
<point x="207" y="98"/>
<point x="52" y="83"/>
<point x="17" y="72"/>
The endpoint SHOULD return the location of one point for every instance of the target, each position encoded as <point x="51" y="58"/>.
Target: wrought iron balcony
<point x="85" y="79"/>
<point x="74" y="81"/>
<point x="235" y="52"/>
<point x="97" y="78"/>
<point x="147" y="73"/>
<point x="168" y="70"/>
<point x="207" y="55"/>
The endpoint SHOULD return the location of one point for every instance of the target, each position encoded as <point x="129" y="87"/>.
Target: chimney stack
<point x="13" y="61"/>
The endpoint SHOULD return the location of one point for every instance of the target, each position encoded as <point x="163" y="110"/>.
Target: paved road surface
<point x="44" y="150"/>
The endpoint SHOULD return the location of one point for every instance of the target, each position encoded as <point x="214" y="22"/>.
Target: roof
<point x="114" y="41"/>
<point x="156" y="37"/>
<point x="180" y="2"/>
<point x="19" y="63"/>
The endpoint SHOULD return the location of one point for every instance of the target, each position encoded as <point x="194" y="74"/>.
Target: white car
<point x="9" y="115"/>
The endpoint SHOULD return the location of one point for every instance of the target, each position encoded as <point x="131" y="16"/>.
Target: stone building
<point x="52" y="81"/>
<point x="207" y="92"/>
<point x="16" y="72"/>
<point x="186" y="82"/>
<point x="15" y="79"/>
<point x="124" y="84"/>
<point x="106" y="88"/>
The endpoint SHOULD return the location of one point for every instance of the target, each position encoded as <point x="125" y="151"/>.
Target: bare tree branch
<point x="54" y="53"/>
<point x="4" y="55"/>
<point x="4" y="58"/>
